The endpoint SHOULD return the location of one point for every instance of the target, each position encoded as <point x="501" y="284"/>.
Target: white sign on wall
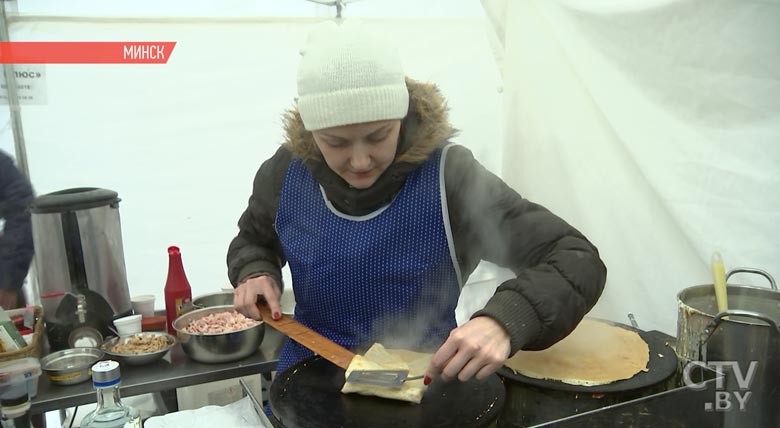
<point x="30" y="84"/>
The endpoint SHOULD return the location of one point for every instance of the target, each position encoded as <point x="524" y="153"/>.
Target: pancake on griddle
<point x="595" y="353"/>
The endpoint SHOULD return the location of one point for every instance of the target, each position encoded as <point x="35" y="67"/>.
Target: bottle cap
<point x="14" y="401"/>
<point x="106" y="373"/>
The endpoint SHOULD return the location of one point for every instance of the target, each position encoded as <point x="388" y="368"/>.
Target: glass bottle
<point x="110" y="412"/>
<point x="178" y="294"/>
<point x="15" y="412"/>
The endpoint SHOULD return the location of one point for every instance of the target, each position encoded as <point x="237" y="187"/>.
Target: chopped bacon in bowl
<point x="218" y="334"/>
<point x="221" y="322"/>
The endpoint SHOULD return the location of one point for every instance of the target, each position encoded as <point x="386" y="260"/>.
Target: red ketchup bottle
<point x="178" y="294"/>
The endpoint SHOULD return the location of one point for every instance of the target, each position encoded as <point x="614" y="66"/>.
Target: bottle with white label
<point x="110" y="412"/>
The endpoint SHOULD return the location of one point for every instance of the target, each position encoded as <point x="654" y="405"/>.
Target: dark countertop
<point x="675" y="405"/>
<point x="680" y="408"/>
<point x="176" y="370"/>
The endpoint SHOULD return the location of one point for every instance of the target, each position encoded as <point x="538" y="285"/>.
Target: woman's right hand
<point x="245" y="296"/>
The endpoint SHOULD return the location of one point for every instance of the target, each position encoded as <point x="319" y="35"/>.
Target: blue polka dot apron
<point x="389" y="276"/>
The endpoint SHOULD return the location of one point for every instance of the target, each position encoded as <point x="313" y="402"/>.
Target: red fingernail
<point x="427" y="380"/>
<point x="277" y="315"/>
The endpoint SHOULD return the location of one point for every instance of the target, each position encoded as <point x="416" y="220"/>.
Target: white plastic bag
<point x="240" y="414"/>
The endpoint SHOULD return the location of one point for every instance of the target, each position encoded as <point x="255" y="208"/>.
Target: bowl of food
<point x="222" y="298"/>
<point x="139" y="348"/>
<point x="70" y="366"/>
<point x="218" y="334"/>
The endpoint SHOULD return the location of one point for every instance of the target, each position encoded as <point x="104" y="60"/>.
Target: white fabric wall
<point x="654" y="127"/>
<point x="650" y="125"/>
<point x="181" y="142"/>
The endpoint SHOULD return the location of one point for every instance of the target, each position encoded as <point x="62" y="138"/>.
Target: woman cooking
<point x="382" y="219"/>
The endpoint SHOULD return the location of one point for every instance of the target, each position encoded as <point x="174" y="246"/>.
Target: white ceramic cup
<point x="128" y="325"/>
<point x="143" y="305"/>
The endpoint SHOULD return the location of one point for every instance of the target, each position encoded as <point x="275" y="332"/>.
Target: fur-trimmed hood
<point x="422" y="130"/>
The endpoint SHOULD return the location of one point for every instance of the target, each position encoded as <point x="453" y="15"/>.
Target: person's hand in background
<point x="9" y="299"/>
<point x="245" y="296"/>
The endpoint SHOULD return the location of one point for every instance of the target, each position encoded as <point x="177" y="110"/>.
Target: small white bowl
<point x="128" y="325"/>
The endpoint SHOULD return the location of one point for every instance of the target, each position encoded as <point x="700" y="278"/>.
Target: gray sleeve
<point x="559" y="274"/>
<point x="256" y="249"/>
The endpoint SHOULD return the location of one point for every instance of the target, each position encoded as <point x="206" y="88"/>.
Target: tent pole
<point x="20" y="150"/>
<point x="31" y="289"/>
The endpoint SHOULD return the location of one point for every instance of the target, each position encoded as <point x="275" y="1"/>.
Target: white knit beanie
<point x="349" y="74"/>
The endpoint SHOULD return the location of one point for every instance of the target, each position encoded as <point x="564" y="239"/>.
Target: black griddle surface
<point x="308" y="395"/>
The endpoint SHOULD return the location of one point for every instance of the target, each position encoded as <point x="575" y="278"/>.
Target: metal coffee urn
<point x="80" y="264"/>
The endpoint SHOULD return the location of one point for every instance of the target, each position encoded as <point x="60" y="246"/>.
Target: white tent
<point x="652" y="126"/>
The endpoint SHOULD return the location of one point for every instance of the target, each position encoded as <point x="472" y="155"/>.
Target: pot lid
<point x="74" y="199"/>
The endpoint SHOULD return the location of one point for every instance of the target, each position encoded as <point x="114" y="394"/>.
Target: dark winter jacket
<point x="559" y="273"/>
<point x="16" y="243"/>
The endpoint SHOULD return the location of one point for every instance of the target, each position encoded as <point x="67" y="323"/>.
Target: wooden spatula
<point x="333" y="352"/>
<point x="307" y="337"/>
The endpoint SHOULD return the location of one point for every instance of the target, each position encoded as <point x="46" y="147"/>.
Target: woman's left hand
<point x="476" y="349"/>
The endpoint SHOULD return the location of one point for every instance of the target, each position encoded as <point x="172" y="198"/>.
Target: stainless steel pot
<point x="701" y="329"/>
<point x="742" y="342"/>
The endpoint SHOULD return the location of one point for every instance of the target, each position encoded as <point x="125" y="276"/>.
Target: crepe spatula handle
<point x="307" y="337"/>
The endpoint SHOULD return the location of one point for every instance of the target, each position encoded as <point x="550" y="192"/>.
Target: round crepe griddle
<point x="308" y="395"/>
<point x="659" y="369"/>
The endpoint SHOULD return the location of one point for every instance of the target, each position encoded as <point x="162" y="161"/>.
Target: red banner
<point x="85" y="52"/>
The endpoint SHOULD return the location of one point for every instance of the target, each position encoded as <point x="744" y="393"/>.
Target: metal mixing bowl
<point x="70" y="366"/>
<point x="223" y="298"/>
<point x="217" y="347"/>
<point x="85" y="337"/>
<point x="138" y="359"/>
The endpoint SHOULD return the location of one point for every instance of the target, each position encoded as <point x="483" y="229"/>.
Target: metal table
<point x="176" y="370"/>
